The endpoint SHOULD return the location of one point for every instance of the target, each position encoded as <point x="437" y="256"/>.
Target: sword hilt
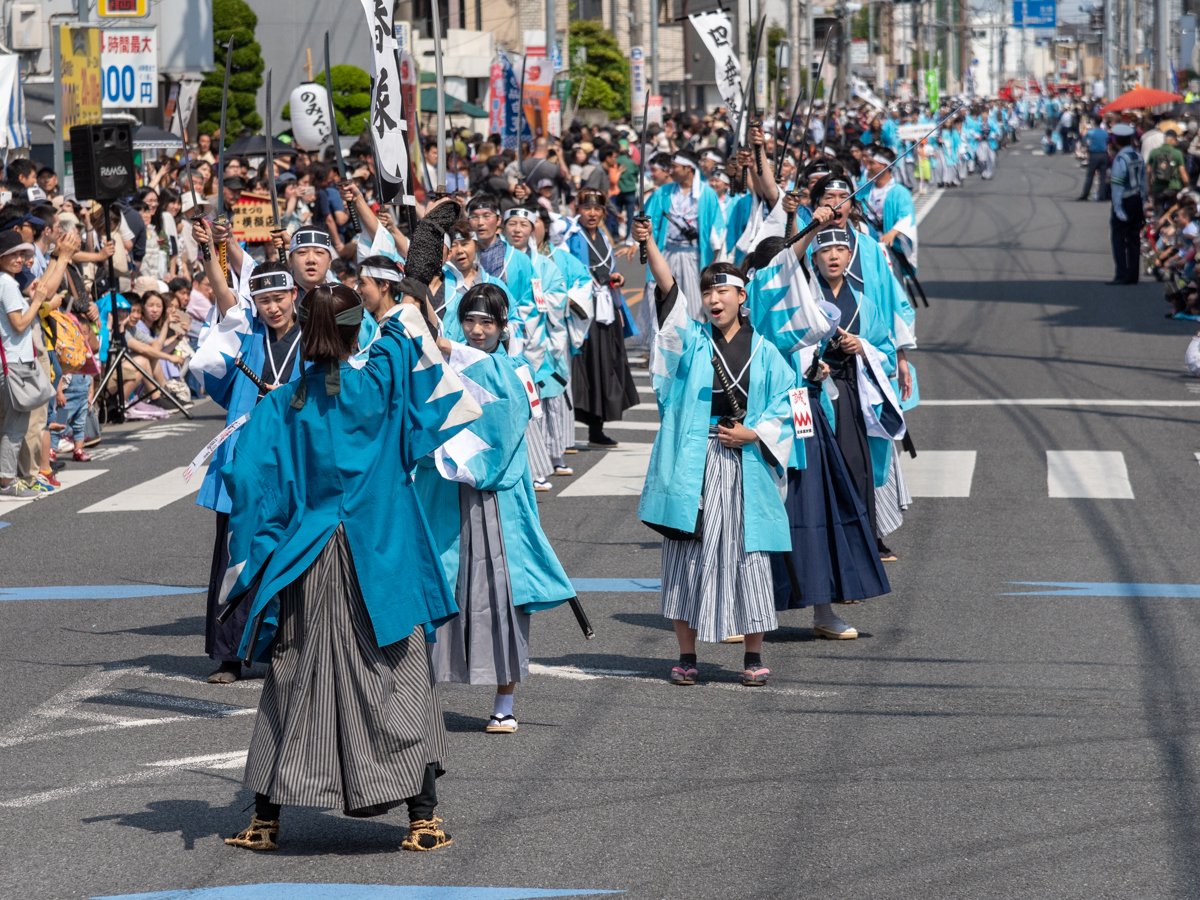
<point x="643" y="256"/>
<point x="223" y="250"/>
<point x="355" y="224"/>
<point x="758" y="156"/>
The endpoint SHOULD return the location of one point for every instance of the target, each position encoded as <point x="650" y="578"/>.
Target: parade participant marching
<point x="496" y="256"/>
<point x="478" y="496"/>
<point x="1128" y="180"/>
<point x="256" y="327"/>
<point x="834" y="557"/>
<point x="348" y="716"/>
<point x="713" y="488"/>
<point x="891" y="203"/>
<point x="460" y="273"/>
<point x="688" y="225"/>
<point x="892" y="322"/>
<point x="602" y="384"/>
<point x="541" y="315"/>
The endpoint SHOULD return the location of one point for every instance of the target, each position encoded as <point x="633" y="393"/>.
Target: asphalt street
<point x="1018" y="718"/>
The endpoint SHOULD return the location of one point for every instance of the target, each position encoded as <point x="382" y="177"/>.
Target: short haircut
<point x="484" y="201"/>
<point x="19" y="168"/>
<point x="178" y="284"/>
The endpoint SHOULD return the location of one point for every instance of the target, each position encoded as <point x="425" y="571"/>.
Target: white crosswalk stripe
<point x="1092" y="474"/>
<point x="621" y="472"/>
<point x="939" y="473"/>
<point x="153" y="494"/>
<point x="68" y="478"/>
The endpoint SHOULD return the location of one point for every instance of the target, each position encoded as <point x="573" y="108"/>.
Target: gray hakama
<point x="893" y="498"/>
<point x="560" y="424"/>
<point x="537" y="441"/>
<point x="342" y="722"/>
<point x="488" y="641"/>
<point x="684" y="261"/>
<point x="714" y="584"/>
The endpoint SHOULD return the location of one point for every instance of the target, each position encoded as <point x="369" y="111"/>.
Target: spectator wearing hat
<point x="1128" y="182"/>
<point x="18" y="316"/>
<point x="1167" y="172"/>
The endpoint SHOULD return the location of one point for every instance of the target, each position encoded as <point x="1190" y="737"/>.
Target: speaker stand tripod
<point x="117" y="340"/>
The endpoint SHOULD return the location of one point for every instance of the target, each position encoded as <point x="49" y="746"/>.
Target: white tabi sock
<point x="503" y="705"/>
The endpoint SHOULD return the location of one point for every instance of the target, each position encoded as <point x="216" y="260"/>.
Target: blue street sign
<point x="1034" y="14"/>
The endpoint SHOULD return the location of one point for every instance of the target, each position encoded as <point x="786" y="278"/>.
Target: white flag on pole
<point x="716" y="31"/>
<point x="387" y="124"/>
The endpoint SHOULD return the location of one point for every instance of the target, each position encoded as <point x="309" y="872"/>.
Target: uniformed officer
<point x="1128" y="181"/>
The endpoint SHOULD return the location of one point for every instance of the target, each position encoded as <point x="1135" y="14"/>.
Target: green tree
<point x="232" y="18"/>
<point x="605" y="76"/>
<point x="351" y="98"/>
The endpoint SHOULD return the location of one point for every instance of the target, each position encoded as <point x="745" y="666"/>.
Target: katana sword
<point x="337" y="143"/>
<point x="787" y="138"/>
<point x="641" y="193"/>
<point x="813" y="102"/>
<point x="745" y="103"/>
<point x="814" y="224"/>
<point x="221" y="218"/>
<point x="762" y="26"/>
<point x="271" y="160"/>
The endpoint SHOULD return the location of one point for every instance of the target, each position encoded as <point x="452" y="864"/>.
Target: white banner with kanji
<point x="129" y="67"/>
<point x="716" y="31"/>
<point x="387" y="124"/>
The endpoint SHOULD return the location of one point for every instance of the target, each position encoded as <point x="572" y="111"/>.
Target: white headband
<point x="723" y="280"/>
<point x="719" y="176"/>
<point x="882" y="160"/>
<point x="379" y="274"/>
<point x="271" y="281"/>
<point x="519" y="212"/>
<point x="715" y="157"/>
<point x="683" y="161"/>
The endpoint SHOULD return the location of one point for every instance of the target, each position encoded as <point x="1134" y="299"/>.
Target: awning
<point x="147" y="137"/>
<point x="454" y="106"/>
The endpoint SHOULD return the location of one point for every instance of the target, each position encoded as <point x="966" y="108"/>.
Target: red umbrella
<point x="1140" y="98"/>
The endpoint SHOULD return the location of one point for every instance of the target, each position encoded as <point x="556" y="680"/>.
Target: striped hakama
<point x="560" y="424"/>
<point x="342" y="722"/>
<point x="714" y="584"/>
<point x="893" y="498"/>
<point x="488" y="641"/>
<point x="537" y="440"/>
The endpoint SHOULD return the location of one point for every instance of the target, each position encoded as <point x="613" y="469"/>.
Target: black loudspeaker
<point x="102" y="158"/>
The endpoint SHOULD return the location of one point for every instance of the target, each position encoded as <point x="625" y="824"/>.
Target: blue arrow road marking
<point x="96" y="592"/>
<point x="1105" y="589"/>
<point x="283" y="891"/>
<point x="624" y="585"/>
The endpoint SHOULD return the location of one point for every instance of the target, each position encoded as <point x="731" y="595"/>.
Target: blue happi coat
<point x="683" y="378"/>
<point x="576" y="242"/>
<point x="580" y="306"/>
<point x="490" y="455"/>
<point x="239" y="334"/>
<point x="710" y="221"/>
<point x="544" y="331"/>
<point x="345" y="460"/>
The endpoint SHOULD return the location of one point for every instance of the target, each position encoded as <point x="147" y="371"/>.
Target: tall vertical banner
<point x="496" y="97"/>
<point x="539" y="76"/>
<point x="637" y="84"/>
<point x="514" y="117"/>
<point x="654" y="110"/>
<point x="79" y="77"/>
<point x="716" y="33"/>
<point x="554" y="123"/>
<point x="387" y="122"/>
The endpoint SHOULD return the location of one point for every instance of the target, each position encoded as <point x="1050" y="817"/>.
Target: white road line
<point x="579" y="673"/>
<point x="621" y="472"/>
<point x="1093" y="474"/>
<point x="154" y="770"/>
<point x="153" y="494"/>
<point x="939" y="473"/>
<point x="69" y="478"/>
<point x="99" y="454"/>
<point x="157" y="432"/>
<point x="1058" y="401"/>
<point x="628" y="426"/>
<point x="929" y="204"/>
<point x="649" y="391"/>
<point x="644" y="407"/>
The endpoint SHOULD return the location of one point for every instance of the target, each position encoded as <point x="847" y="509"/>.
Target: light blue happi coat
<point x="239" y="334"/>
<point x="683" y="378"/>
<point x="580" y="303"/>
<point x="490" y="455"/>
<point x="345" y="460"/>
<point x="710" y="220"/>
<point x="784" y="305"/>
<point x="900" y="213"/>
<point x="544" y="331"/>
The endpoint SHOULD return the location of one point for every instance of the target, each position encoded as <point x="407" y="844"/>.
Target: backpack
<point x="69" y="342"/>
<point x="1164" y="168"/>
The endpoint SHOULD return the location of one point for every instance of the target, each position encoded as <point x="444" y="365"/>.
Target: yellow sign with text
<point x="121" y="9"/>
<point x="79" y="77"/>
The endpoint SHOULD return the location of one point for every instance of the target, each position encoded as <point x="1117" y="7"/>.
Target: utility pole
<point x="1162" y="46"/>
<point x="654" y="10"/>
<point x="1111" y="87"/>
<point x="841" y="54"/>
<point x="551" y="32"/>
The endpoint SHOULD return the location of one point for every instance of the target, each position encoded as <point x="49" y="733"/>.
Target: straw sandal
<point x="259" y="835"/>
<point x="426" y="834"/>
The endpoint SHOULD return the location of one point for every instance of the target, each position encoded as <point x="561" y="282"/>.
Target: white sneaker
<point x="65" y="445"/>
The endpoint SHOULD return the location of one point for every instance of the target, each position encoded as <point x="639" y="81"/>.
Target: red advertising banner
<point x="496" y="99"/>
